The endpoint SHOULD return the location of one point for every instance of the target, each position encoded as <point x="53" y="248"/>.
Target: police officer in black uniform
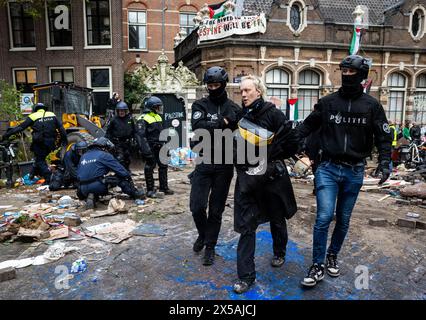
<point x="66" y="174"/>
<point x="46" y="129"/>
<point x="120" y="132"/>
<point x="150" y="125"/>
<point x="92" y="170"/>
<point x="349" y="122"/>
<point x="210" y="181"/>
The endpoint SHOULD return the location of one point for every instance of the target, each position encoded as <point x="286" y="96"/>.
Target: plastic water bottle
<point x="78" y="266"/>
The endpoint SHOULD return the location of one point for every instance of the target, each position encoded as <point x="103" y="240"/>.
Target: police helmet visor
<point x="158" y="108"/>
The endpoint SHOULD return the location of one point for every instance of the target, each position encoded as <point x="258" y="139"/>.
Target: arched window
<point x="308" y="93"/>
<point x="396" y="103"/>
<point x="278" y="84"/>
<point x="295" y="16"/>
<point x="417" y="23"/>
<point x="419" y="106"/>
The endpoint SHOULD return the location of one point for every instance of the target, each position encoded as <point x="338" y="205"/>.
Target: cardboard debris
<point x="114" y="206"/>
<point x="59" y="233"/>
<point x="32" y="233"/>
<point x="112" y="232"/>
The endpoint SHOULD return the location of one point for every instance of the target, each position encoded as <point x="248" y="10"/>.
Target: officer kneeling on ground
<point x="92" y="170"/>
<point x="150" y="125"/>
<point x="66" y="174"/>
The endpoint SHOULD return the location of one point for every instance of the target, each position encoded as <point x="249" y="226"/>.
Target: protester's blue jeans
<point x="337" y="188"/>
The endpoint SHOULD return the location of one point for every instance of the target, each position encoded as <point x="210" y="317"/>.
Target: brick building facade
<point x="87" y="51"/>
<point x="93" y="50"/>
<point x="144" y="33"/>
<point x="305" y="40"/>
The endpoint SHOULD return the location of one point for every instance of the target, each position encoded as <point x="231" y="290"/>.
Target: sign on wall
<point x="27" y="102"/>
<point x="212" y="29"/>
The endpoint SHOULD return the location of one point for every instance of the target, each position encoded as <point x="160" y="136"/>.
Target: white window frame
<point x="48" y="46"/>
<point x="12" y="48"/>
<point x="420" y="90"/>
<point x="303" y="16"/>
<point x="86" y="46"/>
<point x="146" y="30"/>
<point x="278" y="85"/>
<point x="423" y="28"/>
<point x="24" y="68"/>
<point x="89" y="79"/>
<point x="187" y="12"/>
<point x="398" y="89"/>
<point x="62" y="68"/>
<point x="310" y="87"/>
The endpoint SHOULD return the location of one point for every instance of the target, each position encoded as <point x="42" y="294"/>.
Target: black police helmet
<point x="102" y="142"/>
<point x="358" y="63"/>
<point x="121" y="106"/>
<point x="215" y="75"/>
<point x="39" y="106"/>
<point x="153" y="102"/>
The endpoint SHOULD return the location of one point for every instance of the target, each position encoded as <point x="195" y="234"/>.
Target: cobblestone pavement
<point x="166" y="268"/>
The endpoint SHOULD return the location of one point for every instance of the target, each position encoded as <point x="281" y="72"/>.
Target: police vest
<point x="395" y="136"/>
<point x="151" y="117"/>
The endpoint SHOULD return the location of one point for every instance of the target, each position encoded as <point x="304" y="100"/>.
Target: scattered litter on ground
<point x="412" y="215"/>
<point x="112" y="232"/>
<point x="148" y="230"/>
<point x="79" y="266"/>
<point x="115" y="206"/>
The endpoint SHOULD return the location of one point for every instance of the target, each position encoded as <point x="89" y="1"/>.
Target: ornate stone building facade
<point x="305" y="40"/>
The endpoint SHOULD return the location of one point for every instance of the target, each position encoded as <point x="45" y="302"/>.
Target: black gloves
<point x="384" y="169"/>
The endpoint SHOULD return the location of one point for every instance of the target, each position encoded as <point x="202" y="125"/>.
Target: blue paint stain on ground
<point x="271" y="284"/>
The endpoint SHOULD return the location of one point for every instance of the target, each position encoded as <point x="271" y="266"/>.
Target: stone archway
<point x="178" y="87"/>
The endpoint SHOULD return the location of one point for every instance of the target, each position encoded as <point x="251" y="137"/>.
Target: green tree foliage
<point x="34" y="8"/>
<point x="134" y="89"/>
<point x="9" y="102"/>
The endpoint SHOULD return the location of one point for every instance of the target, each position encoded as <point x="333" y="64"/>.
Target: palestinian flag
<point x="292" y="111"/>
<point x="356" y="41"/>
<point x="217" y="10"/>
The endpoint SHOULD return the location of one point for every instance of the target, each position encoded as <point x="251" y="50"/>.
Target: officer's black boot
<point x="90" y="201"/>
<point x="164" y="187"/>
<point x="129" y="188"/>
<point x="149" y="179"/>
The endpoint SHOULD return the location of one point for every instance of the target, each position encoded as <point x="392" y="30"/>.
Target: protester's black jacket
<point x="349" y="127"/>
<point x="262" y="198"/>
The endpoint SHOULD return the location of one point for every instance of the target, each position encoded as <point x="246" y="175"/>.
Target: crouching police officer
<point x="66" y="175"/>
<point x="120" y="131"/>
<point x="150" y="125"/>
<point x="91" y="172"/>
<point x="46" y="128"/>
